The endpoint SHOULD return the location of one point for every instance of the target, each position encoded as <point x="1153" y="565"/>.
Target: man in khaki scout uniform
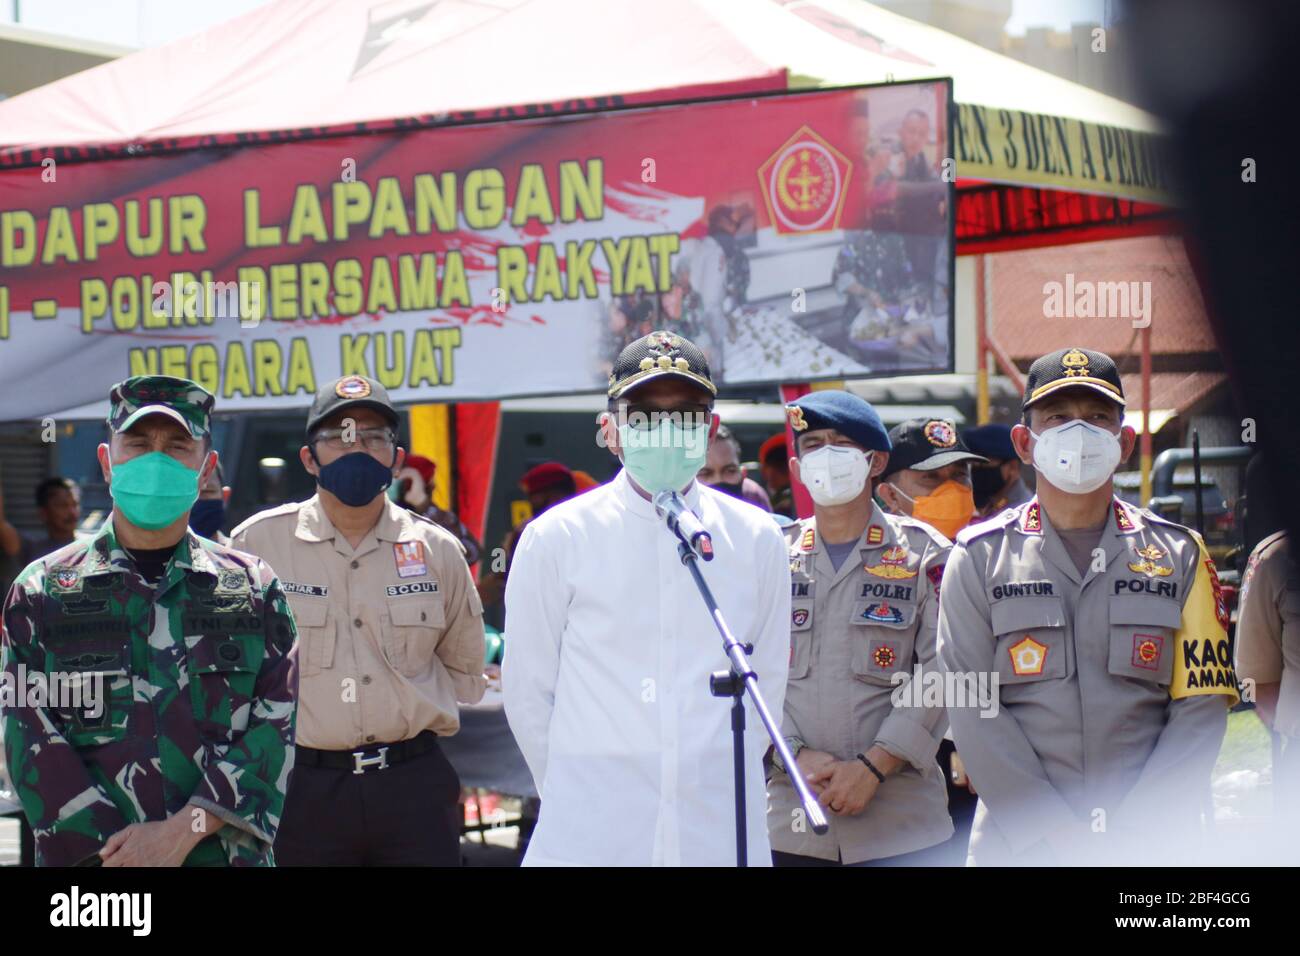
<point x="391" y="637"/>
<point x="864" y="607"/>
<point x="1107" y="632"/>
<point x="1268" y="652"/>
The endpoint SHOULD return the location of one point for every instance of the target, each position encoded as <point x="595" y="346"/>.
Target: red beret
<point x="421" y="464"/>
<point x="546" y="475"/>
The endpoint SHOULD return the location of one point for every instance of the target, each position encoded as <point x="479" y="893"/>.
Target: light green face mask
<point x="153" y="490"/>
<point x="664" y="457"/>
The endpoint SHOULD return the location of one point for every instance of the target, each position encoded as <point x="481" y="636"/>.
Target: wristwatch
<point x="795" y="745"/>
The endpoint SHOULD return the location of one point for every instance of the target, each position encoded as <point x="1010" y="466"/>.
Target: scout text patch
<point x="415" y="587"/>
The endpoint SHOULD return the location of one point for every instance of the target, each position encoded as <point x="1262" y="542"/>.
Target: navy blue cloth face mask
<point x="355" y="478"/>
<point x="207" y="516"/>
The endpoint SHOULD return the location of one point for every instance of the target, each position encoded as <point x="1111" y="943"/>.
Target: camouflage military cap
<point x="186" y="402"/>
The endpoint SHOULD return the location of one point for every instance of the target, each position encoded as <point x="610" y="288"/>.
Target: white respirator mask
<point x="1076" y="457"/>
<point x="834" y="474"/>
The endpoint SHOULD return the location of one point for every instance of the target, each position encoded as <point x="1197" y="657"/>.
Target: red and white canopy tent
<point x="1039" y="160"/>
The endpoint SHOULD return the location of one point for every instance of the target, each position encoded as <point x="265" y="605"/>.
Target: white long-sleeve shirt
<point x="609" y="648"/>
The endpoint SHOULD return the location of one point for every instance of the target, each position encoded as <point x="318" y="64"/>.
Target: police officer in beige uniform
<point x="864" y="607"/>
<point x="1106" y="630"/>
<point x="1268" y="652"/>
<point x="391" y="635"/>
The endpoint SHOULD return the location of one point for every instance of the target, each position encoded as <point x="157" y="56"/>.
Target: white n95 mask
<point x="1076" y="457"/>
<point x="834" y="474"/>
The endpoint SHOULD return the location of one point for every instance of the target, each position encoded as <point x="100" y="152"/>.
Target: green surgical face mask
<point x="153" y="490"/>
<point x="665" y="457"/>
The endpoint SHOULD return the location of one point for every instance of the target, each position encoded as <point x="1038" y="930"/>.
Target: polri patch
<point x="415" y="587"/>
<point x="409" y="556"/>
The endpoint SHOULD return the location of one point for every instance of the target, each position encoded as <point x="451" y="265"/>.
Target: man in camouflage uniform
<point x="186" y="647"/>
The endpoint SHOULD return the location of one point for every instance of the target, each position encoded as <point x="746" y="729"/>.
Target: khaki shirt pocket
<point x="412" y="632"/>
<point x="316" y="634"/>
<point x="1142" y="637"/>
<point x="1032" y="644"/>
<point x="884" y="637"/>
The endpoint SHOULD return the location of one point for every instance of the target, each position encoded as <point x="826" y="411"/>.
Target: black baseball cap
<point x="925" y="444"/>
<point x="1073" y="368"/>
<point x="657" y="355"/>
<point x="351" y="391"/>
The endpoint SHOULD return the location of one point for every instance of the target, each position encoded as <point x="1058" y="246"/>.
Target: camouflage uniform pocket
<point x="89" y="688"/>
<point x="222" y="673"/>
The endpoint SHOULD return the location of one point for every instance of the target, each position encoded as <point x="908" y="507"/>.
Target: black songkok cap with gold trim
<point x="656" y="355"/>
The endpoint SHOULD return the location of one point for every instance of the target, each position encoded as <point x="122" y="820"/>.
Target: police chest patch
<point x="800" y="616"/>
<point x="881" y="613"/>
<point x="415" y="587"/>
<point x="883" y="655"/>
<point x="1147" y="649"/>
<point x="315" y="590"/>
<point x="1027" y="656"/>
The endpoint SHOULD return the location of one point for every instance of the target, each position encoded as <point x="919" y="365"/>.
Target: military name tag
<point x="216" y="623"/>
<point x="315" y="590"/>
<point x="88" y="627"/>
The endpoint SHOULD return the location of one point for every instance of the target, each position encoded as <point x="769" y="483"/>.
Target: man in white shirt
<point x="610" y="647"/>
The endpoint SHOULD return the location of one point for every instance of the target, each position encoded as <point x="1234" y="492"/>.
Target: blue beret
<point x="991" y="441"/>
<point x="848" y="414"/>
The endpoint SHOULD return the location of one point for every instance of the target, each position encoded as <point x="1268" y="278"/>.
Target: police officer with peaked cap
<point x="187" y="648"/>
<point x="1106" y="629"/>
<point x="864" y="608"/>
<point x="391" y="639"/>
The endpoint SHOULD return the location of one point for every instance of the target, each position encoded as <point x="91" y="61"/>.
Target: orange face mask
<point x="948" y="510"/>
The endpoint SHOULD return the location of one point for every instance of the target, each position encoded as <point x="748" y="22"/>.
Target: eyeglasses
<point x="376" y="440"/>
<point x="644" y="417"/>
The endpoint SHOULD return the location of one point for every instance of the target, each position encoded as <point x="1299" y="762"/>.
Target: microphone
<point x="670" y="506"/>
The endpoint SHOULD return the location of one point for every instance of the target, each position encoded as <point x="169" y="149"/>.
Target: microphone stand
<point x="733" y="683"/>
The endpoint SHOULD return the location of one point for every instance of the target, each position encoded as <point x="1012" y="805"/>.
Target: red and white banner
<point x="795" y="236"/>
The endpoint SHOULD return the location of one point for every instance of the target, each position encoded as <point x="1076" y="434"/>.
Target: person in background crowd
<point x="58" y="503"/>
<point x="391" y="638"/>
<point x="774" y="462"/>
<point x="209" y="512"/>
<point x="997" y="483"/>
<point x="864" y="608"/>
<point x="415" y="492"/>
<point x="582" y="481"/>
<point x="1268" y="653"/>
<point x="721" y="470"/>
<point x="546" y="485"/>
<point x="929" y="475"/>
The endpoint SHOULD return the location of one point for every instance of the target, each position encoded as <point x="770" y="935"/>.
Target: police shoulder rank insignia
<point x="806" y="542"/>
<point x="1122" y="520"/>
<point x="1146" y="650"/>
<point x="353" y="386"/>
<point x="1027" y="656"/>
<point x="1148" y="566"/>
<point x="882" y="613"/>
<point x="875" y="534"/>
<point x="795" y="414"/>
<point x="409" y="556"/>
<point x="1032" y="520"/>
<point x="883" y="654"/>
<point x="941" y="434"/>
<point x="892" y="565"/>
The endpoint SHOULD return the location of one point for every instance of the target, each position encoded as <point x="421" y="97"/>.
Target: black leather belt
<point x="373" y="757"/>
